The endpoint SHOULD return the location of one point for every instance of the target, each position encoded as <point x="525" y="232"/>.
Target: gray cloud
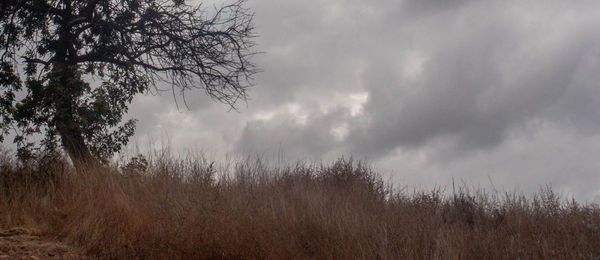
<point x="307" y="138"/>
<point x="423" y="88"/>
<point x="479" y="81"/>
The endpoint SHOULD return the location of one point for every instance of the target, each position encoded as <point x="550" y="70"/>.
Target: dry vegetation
<point x="189" y="209"/>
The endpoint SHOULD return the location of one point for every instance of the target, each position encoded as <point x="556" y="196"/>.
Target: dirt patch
<point x="22" y="243"/>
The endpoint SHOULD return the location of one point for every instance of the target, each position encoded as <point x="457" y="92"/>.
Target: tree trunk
<point x="65" y="96"/>
<point x="72" y="141"/>
<point x="67" y="87"/>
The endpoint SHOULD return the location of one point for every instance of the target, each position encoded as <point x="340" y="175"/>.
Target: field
<point x="159" y="207"/>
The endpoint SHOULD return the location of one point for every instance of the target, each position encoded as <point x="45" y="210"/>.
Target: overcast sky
<point x="490" y="93"/>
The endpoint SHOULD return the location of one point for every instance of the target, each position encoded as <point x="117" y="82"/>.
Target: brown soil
<point x="22" y="243"/>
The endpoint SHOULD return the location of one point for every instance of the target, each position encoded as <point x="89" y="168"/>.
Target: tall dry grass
<point x="164" y="208"/>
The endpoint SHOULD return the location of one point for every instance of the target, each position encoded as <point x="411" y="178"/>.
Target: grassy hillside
<point x="189" y="209"/>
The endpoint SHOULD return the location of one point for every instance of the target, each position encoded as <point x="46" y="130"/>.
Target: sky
<point x="500" y="95"/>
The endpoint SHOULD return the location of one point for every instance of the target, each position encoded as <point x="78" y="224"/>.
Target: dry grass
<point x="188" y="209"/>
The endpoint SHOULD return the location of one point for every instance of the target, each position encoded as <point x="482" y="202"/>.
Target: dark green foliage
<point x="70" y="68"/>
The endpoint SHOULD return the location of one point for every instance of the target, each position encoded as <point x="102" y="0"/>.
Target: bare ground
<point x="22" y="243"/>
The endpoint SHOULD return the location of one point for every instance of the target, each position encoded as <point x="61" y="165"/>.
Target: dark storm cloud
<point x="481" y="82"/>
<point x="486" y="68"/>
